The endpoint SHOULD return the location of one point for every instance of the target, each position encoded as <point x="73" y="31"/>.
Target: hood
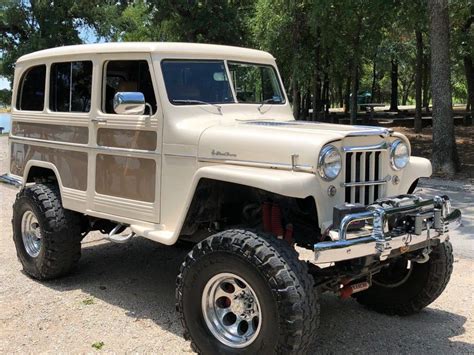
<point x="274" y="143"/>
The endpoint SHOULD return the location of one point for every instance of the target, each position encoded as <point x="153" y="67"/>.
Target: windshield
<point x="192" y="82"/>
<point x="255" y="83"/>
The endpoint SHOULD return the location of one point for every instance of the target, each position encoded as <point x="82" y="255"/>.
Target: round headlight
<point x="329" y="163"/>
<point x="399" y="154"/>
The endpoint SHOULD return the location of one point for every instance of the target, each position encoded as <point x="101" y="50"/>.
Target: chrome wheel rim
<point x="31" y="234"/>
<point x="231" y="310"/>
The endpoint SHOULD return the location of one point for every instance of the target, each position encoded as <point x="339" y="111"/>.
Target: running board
<point x="157" y="235"/>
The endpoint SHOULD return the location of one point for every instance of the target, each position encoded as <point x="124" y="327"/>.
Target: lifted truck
<point x="197" y="143"/>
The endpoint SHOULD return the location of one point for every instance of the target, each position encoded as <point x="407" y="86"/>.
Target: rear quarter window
<point x="31" y="89"/>
<point x="70" y="86"/>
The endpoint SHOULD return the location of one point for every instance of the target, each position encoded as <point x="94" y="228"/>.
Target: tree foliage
<point x="328" y="51"/>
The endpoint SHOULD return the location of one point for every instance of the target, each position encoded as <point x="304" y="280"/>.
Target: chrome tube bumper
<point x="418" y="222"/>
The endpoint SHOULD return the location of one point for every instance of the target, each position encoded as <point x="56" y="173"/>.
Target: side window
<point x="70" y="86"/>
<point x="31" y="89"/>
<point x="127" y="75"/>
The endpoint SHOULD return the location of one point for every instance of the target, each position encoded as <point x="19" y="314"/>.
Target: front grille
<point x="364" y="170"/>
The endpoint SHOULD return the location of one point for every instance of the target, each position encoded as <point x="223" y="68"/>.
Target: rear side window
<point x="31" y="93"/>
<point x="70" y="86"/>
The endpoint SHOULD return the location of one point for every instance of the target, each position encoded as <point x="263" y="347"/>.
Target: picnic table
<point x="370" y="108"/>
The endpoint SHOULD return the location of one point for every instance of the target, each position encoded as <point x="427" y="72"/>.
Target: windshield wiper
<point x="264" y="102"/>
<point x="219" y="108"/>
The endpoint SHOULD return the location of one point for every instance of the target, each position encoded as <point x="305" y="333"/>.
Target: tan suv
<point x="172" y="141"/>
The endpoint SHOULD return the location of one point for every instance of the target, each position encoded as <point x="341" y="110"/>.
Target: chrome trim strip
<point x="126" y="150"/>
<point x="364" y="183"/>
<point x="259" y="164"/>
<point x="386" y="132"/>
<point x="48" y="142"/>
<point x="179" y="155"/>
<point x="366" y="148"/>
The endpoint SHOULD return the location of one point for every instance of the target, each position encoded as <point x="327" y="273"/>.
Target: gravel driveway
<point x="121" y="299"/>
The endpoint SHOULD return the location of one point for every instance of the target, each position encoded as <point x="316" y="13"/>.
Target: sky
<point x="86" y="34"/>
<point x="4" y="83"/>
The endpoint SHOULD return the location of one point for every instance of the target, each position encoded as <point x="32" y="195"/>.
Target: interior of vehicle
<point x="128" y="75"/>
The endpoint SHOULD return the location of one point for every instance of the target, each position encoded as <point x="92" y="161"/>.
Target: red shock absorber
<point x="277" y="228"/>
<point x="348" y="290"/>
<point x="267" y="217"/>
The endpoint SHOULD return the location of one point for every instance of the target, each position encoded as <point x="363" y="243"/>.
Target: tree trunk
<point x="394" y="91"/>
<point x="296" y="99"/>
<point x="340" y="94"/>
<point x="418" y="81"/>
<point x="317" y="77"/>
<point x="426" y="83"/>
<point x="355" y="72"/>
<point x="354" y="89"/>
<point x="445" y="156"/>
<point x="469" y="70"/>
<point x="374" y="80"/>
<point x="347" y="96"/>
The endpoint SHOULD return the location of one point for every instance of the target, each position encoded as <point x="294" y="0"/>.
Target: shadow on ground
<point x="140" y="278"/>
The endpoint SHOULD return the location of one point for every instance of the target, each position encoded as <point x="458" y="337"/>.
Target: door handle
<point x="99" y="120"/>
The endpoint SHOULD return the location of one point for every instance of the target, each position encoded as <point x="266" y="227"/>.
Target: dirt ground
<point x="422" y="146"/>
<point x="121" y="300"/>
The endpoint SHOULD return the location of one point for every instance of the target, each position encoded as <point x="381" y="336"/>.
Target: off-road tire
<point x="424" y="285"/>
<point x="283" y="282"/>
<point x="60" y="230"/>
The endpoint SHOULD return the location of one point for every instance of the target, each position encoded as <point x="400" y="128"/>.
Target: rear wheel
<point x="47" y="237"/>
<point x="405" y="287"/>
<point x="241" y="292"/>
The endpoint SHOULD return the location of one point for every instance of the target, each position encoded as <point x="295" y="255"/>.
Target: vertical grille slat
<point x="365" y="166"/>
<point x="353" y="176"/>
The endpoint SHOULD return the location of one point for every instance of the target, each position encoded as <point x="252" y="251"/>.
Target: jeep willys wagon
<point x="173" y="141"/>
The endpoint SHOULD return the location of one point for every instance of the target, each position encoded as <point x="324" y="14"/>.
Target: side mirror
<point x="129" y="103"/>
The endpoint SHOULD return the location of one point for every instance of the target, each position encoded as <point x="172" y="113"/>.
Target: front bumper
<point x="393" y="226"/>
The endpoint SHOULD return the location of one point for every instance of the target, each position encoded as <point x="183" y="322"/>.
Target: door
<point x="126" y="157"/>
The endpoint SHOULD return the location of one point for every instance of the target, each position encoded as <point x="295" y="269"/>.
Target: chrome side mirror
<point x="129" y="103"/>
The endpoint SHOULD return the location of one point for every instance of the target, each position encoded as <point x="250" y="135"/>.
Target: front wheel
<point x="239" y="292"/>
<point x="406" y="287"/>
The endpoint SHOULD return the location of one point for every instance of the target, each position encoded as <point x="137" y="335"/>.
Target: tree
<point x="5" y="97"/>
<point x="445" y="158"/>
<point x="28" y="26"/>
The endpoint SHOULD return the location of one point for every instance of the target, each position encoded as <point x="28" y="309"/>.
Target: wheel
<point x="405" y="287"/>
<point x="47" y="237"/>
<point x="240" y="292"/>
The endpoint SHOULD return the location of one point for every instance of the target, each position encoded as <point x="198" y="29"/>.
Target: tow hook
<point x="349" y="290"/>
<point x="423" y="257"/>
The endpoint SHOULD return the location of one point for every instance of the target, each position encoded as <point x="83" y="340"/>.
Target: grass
<point x="88" y="301"/>
<point x="98" y="345"/>
<point x="5" y="109"/>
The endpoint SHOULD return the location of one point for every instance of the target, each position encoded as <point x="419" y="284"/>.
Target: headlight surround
<point x="399" y="154"/>
<point x="329" y="163"/>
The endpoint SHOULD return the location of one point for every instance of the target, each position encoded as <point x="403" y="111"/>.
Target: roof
<point x="167" y="48"/>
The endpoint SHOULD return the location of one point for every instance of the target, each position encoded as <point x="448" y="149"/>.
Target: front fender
<point x="282" y="182"/>
<point x="415" y="169"/>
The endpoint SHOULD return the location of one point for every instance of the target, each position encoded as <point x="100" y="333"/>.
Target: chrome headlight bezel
<point x="326" y="152"/>
<point x="394" y="156"/>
